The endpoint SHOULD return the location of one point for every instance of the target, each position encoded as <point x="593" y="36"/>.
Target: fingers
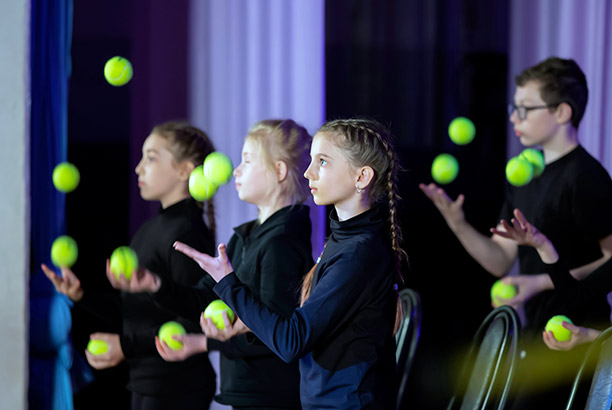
<point x="186" y="249"/>
<point x="222" y="254"/>
<point x="56" y="280"/>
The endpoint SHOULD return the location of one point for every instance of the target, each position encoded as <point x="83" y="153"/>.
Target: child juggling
<point x="343" y="332"/>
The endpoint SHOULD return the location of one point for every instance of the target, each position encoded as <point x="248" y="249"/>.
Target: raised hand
<point x="452" y="211"/>
<point x="231" y="329"/>
<point x="526" y="287"/>
<point x="67" y="284"/>
<point x="218" y="267"/>
<point x="579" y="336"/>
<point x="112" y="357"/>
<point x="521" y="231"/>
<point x="142" y="280"/>
<point x="192" y="344"/>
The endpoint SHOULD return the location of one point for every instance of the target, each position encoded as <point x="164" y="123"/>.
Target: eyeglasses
<point x="521" y="110"/>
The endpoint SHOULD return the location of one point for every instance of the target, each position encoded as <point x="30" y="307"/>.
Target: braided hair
<point x="188" y="143"/>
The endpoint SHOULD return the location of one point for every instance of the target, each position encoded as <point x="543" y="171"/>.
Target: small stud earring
<point x="359" y="190"/>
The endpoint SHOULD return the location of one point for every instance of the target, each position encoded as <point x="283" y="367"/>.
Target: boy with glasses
<point x="571" y="203"/>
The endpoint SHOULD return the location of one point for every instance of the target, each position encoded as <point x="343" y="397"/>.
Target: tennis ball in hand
<point x="218" y="168"/>
<point x="123" y="261"/>
<point x="215" y="310"/>
<point x="97" y="347"/>
<point x="118" y="71"/>
<point x="444" y="169"/>
<point x="555" y="325"/>
<point x="536" y="158"/>
<point x="461" y="131"/>
<point x="519" y="171"/>
<point x="64" y="251"/>
<point x="169" y="329"/>
<point x="200" y="187"/>
<point x="66" y="177"/>
<point x="503" y="291"/>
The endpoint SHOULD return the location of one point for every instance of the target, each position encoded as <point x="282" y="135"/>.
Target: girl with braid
<point x="342" y="333"/>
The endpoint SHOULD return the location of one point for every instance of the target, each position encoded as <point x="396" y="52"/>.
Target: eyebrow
<point x="151" y="150"/>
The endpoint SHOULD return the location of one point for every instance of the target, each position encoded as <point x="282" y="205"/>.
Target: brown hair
<point x="287" y="141"/>
<point x="367" y="142"/>
<point x="188" y="143"/>
<point x="561" y="81"/>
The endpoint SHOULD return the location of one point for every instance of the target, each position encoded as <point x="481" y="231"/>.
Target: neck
<point x="266" y="211"/>
<point x="173" y="199"/>
<point x="562" y="143"/>
<point x="349" y="209"/>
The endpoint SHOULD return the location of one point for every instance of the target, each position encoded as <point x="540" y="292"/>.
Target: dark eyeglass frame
<point x="522" y="110"/>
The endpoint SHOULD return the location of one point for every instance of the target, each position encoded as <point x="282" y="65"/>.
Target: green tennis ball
<point x="503" y="291"/>
<point x="200" y="187"/>
<point x="97" y="347"/>
<point x="169" y="329"/>
<point x="536" y="158"/>
<point x="64" y="251"/>
<point x="123" y="261"/>
<point x="66" y="177"/>
<point x="555" y="325"/>
<point x="218" y="168"/>
<point x="118" y="71"/>
<point x="444" y="169"/>
<point x="519" y="171"/>
<point x="461" y="131"/>
<point x="215" y="310"/>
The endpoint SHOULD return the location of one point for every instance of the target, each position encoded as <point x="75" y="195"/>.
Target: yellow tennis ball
<point x="64" y="251"/>
<point x="118" y="71"/>
<point x="555" y="325"/>
<point x="444" y="169"/>
<point x="215" y="310"/>
<point x="536" y="158"/>
<point x="169" y="329"/>
<point x="501" y="290"/>
<point x="97" y="347"/>
<point x="123" y="261"/>
<point x="461" y="131"/>
<point x="218" y="168"/>
<point x="519" y="171"/>
<point x="200" y="187"/>
<point x="66" y="177"/>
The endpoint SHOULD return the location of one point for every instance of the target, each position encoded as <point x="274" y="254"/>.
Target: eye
<point x="323" y="162"/>
<point x="151" y="159"/>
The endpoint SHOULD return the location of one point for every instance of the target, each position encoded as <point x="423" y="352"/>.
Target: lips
<point x="518" y="133"/>
<point x="140" y="183"/>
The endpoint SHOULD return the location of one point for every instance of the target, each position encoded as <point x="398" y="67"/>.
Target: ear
<point x="185" y="169"/>
<point x="281" y="171"/>
<point x="564" y="113"/>
<point x="364" y="177"/>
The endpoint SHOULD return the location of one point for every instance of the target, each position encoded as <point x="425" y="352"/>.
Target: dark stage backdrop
<point x="414" y="66"/>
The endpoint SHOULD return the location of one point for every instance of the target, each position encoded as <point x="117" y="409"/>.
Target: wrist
<point x="544" y="282"/>
<point x="548" y="253"/>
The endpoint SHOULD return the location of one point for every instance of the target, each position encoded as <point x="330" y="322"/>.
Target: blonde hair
<point x="188" y="143"/>
<point x="289" y="142"/>
<point x="367" y="142"/>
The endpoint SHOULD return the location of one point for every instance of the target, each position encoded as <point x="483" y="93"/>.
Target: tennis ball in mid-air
<point x="519" y="171"/>
<point x="118" y="71"/>
<point x="536" y="158"/>
<point x="555" y="325"/>
<point x="218" y="168"/>
<point x="500" y="290"/>
<point x="461" y="131"/>
<point x="215" y="310"/>
<point x="169" y="329"/>
<point x="444" y="169"/>
<point x="200" y="187"/>
<point x="97" y="347"/>
<point x="66" y="177"/>
<point x="123" y="261"/>
<point x="64" y="251"/>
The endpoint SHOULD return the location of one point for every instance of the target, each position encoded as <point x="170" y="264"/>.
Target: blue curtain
<point x="50" y="319"/>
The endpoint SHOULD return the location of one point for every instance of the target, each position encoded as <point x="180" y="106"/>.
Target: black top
<point x="343" y="334"/>
<point x="149" y="374"/>
<point x="571" y="203"/>
<point x="271" y="259"/>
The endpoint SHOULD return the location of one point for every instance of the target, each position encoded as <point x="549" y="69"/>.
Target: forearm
<point x="583" y="271"/>
<point x="490" y="254"/>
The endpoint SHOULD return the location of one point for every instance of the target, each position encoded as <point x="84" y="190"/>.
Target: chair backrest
<point x="488" y="370"/>
<point x="599" y="357"/>
<point x="407" y="338"/>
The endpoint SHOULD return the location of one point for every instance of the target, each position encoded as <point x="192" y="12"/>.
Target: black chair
<point x="407" y="338"/>
<point x="486" y="376"/>
<point x="599" y="357"/>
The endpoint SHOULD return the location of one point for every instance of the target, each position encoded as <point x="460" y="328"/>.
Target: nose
<point x="237" y="170"/>
<point x="138" y="167"/>
<point x="308" y="174"/>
